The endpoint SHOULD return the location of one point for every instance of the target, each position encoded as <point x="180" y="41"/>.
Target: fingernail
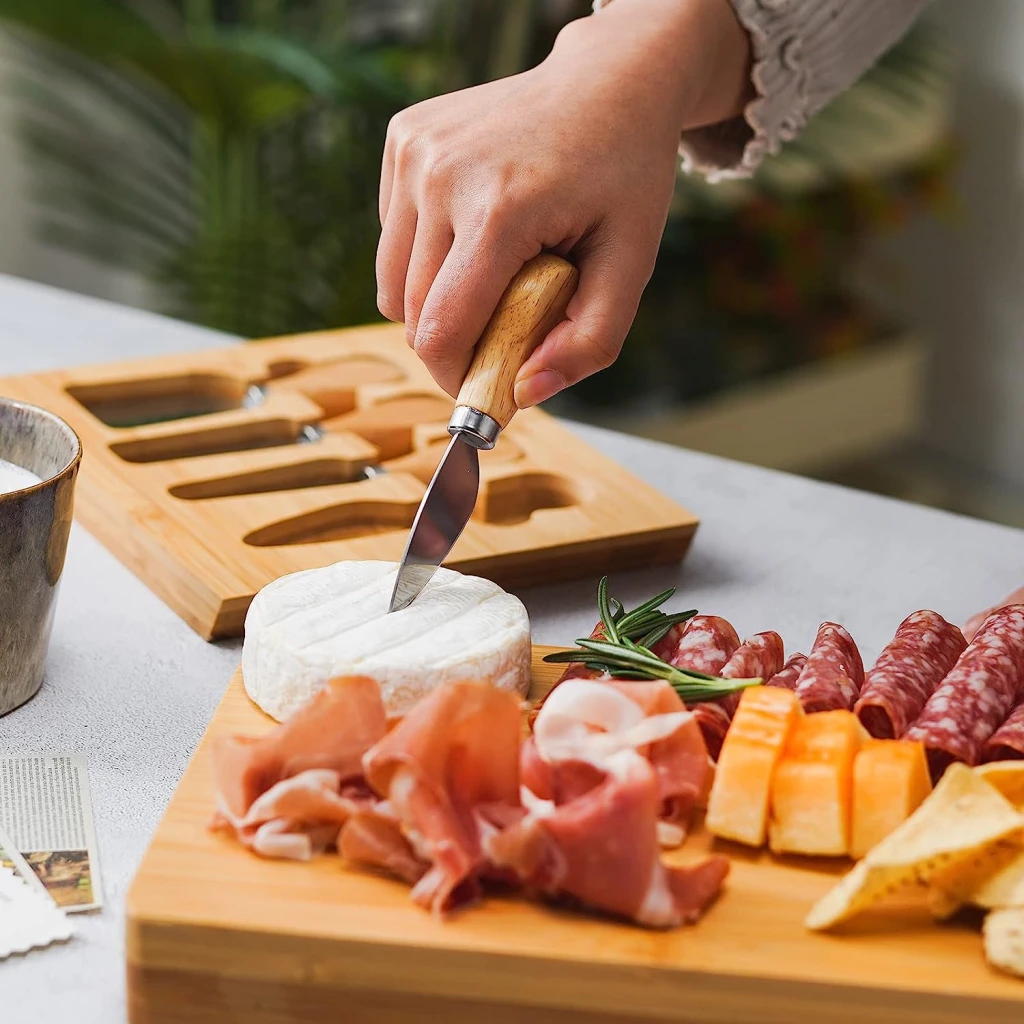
<point x="537" y="388"/>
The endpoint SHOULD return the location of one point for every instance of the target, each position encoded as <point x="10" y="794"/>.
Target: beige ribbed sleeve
<point x="804" y="53"/>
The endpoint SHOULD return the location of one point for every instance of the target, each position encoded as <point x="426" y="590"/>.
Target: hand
<point x="577" y="156"/>
<point x="973" y="624"/>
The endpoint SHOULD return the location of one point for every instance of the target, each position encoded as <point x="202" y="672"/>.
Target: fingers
<point x="434" y="238"/>
<point x="598" y="318"/>
<point x="461" y="300"/>
<point x="393" y="253"/>
<point x="387" y="173"/>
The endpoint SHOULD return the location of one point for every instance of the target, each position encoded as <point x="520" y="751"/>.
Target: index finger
<point x="458" y="306"/>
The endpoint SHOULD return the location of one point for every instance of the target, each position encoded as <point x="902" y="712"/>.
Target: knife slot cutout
<point x="235" y="437"/>
<point x="332" y="385"/>
<point x="339" y="522"/>
<point x="390" y="423"/>
<point x="511" y="500"/>
<point x="315" y="473"/>
<point x="135" y="403"/>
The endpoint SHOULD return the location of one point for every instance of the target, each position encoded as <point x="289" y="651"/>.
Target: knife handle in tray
<point x="531" y="306"/>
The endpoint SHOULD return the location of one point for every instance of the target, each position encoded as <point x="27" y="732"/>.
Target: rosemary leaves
<point x="624" y="650"/>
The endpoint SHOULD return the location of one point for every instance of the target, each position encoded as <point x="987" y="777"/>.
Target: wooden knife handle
<point x="532" y="305"/>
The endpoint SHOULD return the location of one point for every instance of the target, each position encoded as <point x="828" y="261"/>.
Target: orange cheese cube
<point x="890" y="780"/>
<point x="813" y="785"/>
<point x="738" y="805"/>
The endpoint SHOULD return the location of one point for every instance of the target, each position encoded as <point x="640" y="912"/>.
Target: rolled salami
<point x="760" y="656"/>
<point x="977" y="696"/>
<point x="788" y="675"/>
<point x="831" y="678"/>
<point x="1007" y="742"/>
<point x="920" y="655"/>
<point x="707" y="644"/>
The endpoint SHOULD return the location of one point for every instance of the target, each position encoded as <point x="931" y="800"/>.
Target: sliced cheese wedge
<point x="890" y="780"/>
<point x="738" y="805"/>
<point x="309" y="627"/>
<point x="812" y="785"/>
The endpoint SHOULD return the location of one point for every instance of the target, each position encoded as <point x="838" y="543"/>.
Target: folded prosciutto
<point x="598" y="845"/>
<point x="451" y="799"/>
<point x="286" y="794"/>
<point x="587" y="721"/>
<point x="450" y="772"/>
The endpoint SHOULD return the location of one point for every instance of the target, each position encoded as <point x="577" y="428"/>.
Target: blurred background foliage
<point x="229" y="152"/>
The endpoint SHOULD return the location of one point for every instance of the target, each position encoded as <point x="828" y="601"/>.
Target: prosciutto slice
<point x="286" y="794"/>
<point x="588" y="722"/>
<point x="297" y="817"/>
<point x="452" y="755"/>
<point x="553" y="848"/>
<point x="373" y="838"/>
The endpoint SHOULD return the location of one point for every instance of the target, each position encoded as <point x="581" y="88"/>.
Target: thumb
<point x="598" y="318"/>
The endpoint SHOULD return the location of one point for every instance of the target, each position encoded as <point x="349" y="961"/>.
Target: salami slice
<point x="831" y="678"/>
<point x="706" y="644"/>
<point x="1007" y="742"/>
<point x="577" y="669"/>
<point x="788" y="675"/>
<point x="760" y="656"/>
<point x="920" y="655"/>
<point x="976" y="697"/>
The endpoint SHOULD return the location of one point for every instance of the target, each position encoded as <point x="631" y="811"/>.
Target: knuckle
<point x="602" y="346"/>
<point x="431" y="339"/>
<point x="433" y="167"/>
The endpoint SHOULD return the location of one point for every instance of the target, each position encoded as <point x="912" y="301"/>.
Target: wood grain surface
<point x="532" y="305"/>
<point x="209" y="508"/>
<point x="216" y="934"/>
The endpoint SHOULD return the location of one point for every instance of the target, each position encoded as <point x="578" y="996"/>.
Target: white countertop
<point x="131" y="686"/>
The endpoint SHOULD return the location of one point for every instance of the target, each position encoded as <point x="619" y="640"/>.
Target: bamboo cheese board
<point x="212" y="473"/>
<point x="215" y="933"/>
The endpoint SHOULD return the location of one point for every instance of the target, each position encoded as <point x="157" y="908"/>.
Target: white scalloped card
<point x="29" y="919"/>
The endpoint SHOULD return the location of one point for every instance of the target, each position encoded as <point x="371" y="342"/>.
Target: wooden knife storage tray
<point x="252" y="466"/>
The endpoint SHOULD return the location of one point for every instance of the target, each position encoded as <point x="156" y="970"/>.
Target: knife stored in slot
<point x="531" y="306"/>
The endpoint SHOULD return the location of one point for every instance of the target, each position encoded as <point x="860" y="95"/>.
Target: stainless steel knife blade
<point x="442" y="516"/>
<point x="532" y="305"/>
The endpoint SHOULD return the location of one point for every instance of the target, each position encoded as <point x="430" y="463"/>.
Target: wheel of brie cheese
<point x="309" y="627"/>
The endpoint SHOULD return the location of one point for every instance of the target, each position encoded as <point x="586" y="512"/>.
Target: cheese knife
<point x="531" y="306"/>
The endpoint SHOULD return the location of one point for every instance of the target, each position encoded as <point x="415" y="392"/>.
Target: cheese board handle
<point x="531" y="306"/>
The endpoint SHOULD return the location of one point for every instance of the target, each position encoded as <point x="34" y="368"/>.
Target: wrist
<point x="694" y="52"/>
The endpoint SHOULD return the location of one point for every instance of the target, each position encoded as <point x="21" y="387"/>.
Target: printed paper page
<point x="10" y="858"/>
<point x="46" y="810"/>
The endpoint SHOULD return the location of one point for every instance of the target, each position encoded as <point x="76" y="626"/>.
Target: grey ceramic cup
<point x="34" y="527"/>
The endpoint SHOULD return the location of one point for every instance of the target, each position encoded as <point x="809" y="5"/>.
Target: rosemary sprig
<point x="625" y="649"/>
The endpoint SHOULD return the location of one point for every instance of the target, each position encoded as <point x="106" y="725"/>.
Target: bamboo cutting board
<point x="216" y="934"/>
<point x="195" y="474"/>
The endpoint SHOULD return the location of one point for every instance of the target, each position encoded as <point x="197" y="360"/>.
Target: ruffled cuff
<point x="804" y="52"/>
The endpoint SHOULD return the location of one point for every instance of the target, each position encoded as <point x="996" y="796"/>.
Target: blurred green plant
<point x="229" y="150"/>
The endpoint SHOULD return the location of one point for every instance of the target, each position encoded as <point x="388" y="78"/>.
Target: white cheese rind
<point x="309" y="627"/>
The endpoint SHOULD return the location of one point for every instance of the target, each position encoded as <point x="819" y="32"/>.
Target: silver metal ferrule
<point x="474" y="427"/>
